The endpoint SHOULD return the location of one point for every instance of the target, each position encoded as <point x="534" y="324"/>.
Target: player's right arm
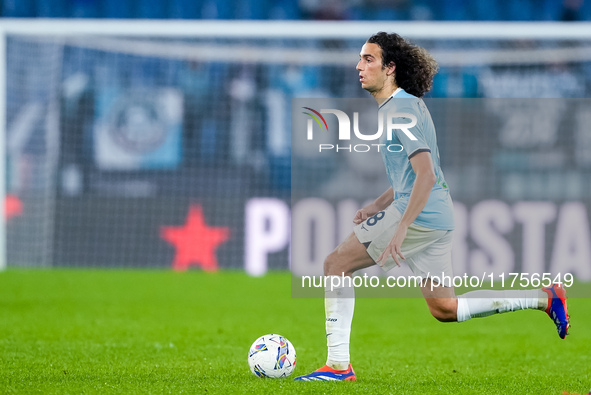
<point x="378" y="205"/>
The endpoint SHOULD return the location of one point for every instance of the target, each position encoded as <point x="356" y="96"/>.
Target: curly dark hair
<point x="415" y="67"/>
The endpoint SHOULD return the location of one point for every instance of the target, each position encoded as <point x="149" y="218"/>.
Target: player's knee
<point x="330" y="264"/>
<point x="444" y="310"/>
<point x="333" y="265"/>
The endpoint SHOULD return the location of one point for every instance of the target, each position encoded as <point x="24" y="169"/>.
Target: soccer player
<point x="412" y="220"/>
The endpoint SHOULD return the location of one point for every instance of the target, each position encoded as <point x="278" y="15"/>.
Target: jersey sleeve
<point x="412" y="138"/>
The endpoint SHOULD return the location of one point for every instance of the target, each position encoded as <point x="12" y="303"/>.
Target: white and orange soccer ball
<point x="272" y="356"/>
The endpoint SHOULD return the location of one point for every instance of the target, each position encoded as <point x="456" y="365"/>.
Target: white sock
<point x="338" y="307"/>
<point x="484" y="303"/>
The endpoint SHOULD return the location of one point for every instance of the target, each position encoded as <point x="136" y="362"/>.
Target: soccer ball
<point x="272" y="356"/>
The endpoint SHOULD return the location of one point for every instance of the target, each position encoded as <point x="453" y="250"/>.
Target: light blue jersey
<point x="438" y="212"/>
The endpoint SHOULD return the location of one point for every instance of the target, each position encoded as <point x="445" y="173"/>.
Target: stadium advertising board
<point x="491" y="235"/>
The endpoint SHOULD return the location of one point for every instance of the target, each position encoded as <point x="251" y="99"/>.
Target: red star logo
<point x="195" y="242"/>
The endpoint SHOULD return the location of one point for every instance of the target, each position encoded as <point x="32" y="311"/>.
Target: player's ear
<point x="391" y="68"/>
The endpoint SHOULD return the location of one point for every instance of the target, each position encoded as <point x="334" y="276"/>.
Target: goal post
<point x="116" y="136"/>
<point x="3" y="122"/>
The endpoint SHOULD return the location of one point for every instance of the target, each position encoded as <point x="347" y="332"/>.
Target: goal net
<point x="168" y="144"/>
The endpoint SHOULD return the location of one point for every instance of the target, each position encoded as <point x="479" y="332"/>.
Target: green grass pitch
<point x="101" y="331"/>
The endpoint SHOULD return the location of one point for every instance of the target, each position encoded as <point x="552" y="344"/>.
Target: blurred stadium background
<point x="382" y="10"/>
<point x="166" y="143"/>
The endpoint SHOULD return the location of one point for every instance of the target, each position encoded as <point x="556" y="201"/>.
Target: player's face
<point x="372" y="75"/>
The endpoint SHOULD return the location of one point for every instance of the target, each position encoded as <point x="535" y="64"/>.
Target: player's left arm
<point x="422" y="165"/>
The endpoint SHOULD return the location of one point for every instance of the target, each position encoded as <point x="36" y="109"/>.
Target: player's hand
<point x="364" y="213"/>
<point x="394" y="247"/>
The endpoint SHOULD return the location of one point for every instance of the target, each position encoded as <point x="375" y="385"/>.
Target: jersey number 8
<point x="371" y="221"/>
